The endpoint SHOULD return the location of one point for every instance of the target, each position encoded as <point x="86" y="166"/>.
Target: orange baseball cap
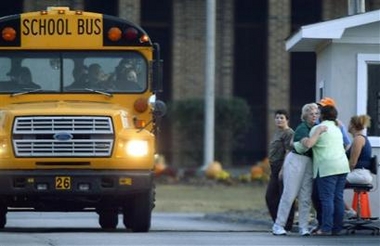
<point x="327" y="101"/>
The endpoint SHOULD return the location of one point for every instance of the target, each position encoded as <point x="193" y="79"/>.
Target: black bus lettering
<point x="67" y="32"/>
<point x="37" y="27"/>
<point x="80" y="26"/>
<point x="51" y="27"/>
<point x="89" y="26"/>
<point x="32" y="24"/>
<point x="41" y="27"/>
<point x="26" y="29"/>
<point x="98" y="28"/>
<point x="60" y="26"/>
<point x="63" y="27"/>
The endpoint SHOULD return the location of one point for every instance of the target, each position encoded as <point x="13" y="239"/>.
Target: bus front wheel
<point x="3" y="216"/>
<point x="108" y="219"/>
<point x="137" y="215"/>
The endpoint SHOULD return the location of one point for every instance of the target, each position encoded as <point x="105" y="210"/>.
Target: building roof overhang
<point x="310" y="37"/>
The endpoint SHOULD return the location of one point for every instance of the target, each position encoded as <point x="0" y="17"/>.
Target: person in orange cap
<point x="328" y="101"/>
<point x="330" y="168"/>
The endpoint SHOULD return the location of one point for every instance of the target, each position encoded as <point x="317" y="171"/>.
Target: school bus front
<point x="77" y="94"/>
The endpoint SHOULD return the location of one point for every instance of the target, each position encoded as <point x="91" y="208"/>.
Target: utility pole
<point x="209" y="129"/>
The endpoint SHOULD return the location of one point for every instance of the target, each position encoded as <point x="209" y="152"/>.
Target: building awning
<point x="309" y="37"/>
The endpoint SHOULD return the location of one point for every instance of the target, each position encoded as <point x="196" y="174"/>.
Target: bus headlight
<point x="137" y="148"/>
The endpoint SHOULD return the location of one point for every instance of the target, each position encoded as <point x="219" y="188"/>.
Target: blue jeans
<point x="316" y="202"/>
<point x="330" y="191"/>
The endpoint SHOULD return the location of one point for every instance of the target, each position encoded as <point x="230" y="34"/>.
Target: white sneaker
<point x="350" y="213"/>
<point x="304" y="232"/>
<point x="278" y="230"/>
<point x="314" y="229"/>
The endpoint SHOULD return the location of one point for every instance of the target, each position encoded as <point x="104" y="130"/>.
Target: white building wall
<point x="337" y="70"/>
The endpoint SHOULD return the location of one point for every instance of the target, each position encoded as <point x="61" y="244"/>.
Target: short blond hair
<point x="306" y="109"/>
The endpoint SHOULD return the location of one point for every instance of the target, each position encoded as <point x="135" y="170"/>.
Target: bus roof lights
<point x="51" y="8"/>
<point x="79" y="12"/>
<point x="131" y="34"/>
<point x="43" y="12"/>
<point x="114" y="34"/>
<point x="144" y="39"/>
<point x="8" y="34"/>
<point x="61" y="11"/>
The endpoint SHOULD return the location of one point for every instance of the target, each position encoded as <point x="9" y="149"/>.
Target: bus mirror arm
<point x="157" y="69"/>
<point x="159" y="110"/>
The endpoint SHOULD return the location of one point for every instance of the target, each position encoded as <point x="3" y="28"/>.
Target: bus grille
<point x="63" y="136"/>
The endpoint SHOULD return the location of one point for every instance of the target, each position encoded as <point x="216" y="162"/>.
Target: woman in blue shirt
<point x="360" y="151"/>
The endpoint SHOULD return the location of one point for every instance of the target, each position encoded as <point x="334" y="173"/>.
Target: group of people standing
<point x="311" y="165"/>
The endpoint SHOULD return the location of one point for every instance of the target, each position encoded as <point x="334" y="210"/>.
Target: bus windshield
<point x="72" y="72"/>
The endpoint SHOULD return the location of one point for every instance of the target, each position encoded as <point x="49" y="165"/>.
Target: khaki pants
<point x="298" y="183"/>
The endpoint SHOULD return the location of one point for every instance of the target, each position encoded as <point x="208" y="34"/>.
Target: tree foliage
<point x="232" y="121"/>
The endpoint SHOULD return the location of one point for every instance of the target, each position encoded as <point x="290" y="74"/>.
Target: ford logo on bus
<point x="63" y="136"/>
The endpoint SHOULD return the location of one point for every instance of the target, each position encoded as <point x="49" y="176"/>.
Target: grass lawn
<point x="209" y="198"/>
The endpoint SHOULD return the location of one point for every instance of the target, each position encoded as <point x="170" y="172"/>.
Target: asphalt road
<point x="63" y="229"/>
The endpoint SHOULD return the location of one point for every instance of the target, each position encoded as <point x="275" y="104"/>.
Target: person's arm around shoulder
<point x="299" y="147"/>
<point x="314" y="135"/>
<point x="356" y="149"/>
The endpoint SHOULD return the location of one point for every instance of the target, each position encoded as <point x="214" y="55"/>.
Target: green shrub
<point x="232" y="121"/>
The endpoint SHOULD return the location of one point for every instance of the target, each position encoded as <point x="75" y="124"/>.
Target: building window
<point x="250" y="72"/>
<point x="368" y="93"/>
<point x="373" y="106"/>
<point x="110" y="7"/>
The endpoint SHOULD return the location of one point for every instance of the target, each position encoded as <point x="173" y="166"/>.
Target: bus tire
<point x="127" y="215"/>
<point x="108" y="219"/>
<point x="137" y="215"/>
<point x="3" y="216"/>
<point x="3" y="220"/>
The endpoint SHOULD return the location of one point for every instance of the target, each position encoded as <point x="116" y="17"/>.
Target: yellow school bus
<point x="77" y="115"/>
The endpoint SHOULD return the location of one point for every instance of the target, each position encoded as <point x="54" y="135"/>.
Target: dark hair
<point x="282" y="111"/>
<point x="329" y="112"/>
